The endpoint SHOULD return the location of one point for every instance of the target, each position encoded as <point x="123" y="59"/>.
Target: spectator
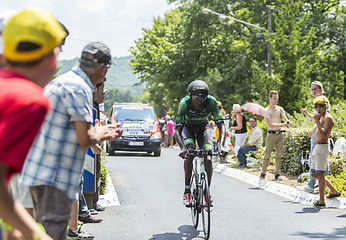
<point x="31" y="40"/>
<point x="255" y="141"/>
<point x="273" y="115"/>
<point x="212" y="134"/>
<point x="162" y="123"/>
<point x="223" y="111"/>
<point x="103" y="116"/>
<point x="324" y="122"/>
<point x="317" y="91"/>
<point x="21" y="192"/>
<point x="80" y="210"/>
<point x="59" y="149"/>
<point x="174" y="137"/>
<point x="239" y="126"/>
<point x="169" y="133"/>
<point x="99" y="96"/>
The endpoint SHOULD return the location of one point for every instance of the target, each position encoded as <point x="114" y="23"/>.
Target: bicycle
<point x="200" y="193"/>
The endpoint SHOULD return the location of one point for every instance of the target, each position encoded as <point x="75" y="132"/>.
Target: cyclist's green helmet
<point x="198" y="87"/>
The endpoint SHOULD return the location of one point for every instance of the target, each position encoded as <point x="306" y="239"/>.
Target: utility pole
<point x="269" y="50"/>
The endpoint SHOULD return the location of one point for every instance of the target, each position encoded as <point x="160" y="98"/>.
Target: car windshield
<point x="127" y="113"/>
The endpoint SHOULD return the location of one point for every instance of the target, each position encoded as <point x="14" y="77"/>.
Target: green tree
<point x="115" y="95"/>
<point x="231" y="57"/>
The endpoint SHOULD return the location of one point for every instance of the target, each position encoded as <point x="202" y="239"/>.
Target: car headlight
<point x="156" y="135"/>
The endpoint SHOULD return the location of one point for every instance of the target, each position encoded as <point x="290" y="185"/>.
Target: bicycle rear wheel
<point x="205" y="205"/>
<point x="194" y="200"/>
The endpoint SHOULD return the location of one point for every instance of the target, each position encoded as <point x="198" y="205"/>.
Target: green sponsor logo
<point x="208" y="147"/>
<point x="188" y="141"/>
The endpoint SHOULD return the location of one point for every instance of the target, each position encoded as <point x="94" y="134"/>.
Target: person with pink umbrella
<point x="239" y="126"/>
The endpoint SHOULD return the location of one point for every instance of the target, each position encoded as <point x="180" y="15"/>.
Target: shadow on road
<point x="186" y="232"/>
<point x="339" y="233"/>
<point x="309" y="210"/>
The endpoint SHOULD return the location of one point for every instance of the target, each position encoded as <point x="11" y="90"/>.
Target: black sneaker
<point x="278" y="177"/>
<point x="262" y="176"/>
<point x="98" y="207"/>
<point x="79" y="234"/>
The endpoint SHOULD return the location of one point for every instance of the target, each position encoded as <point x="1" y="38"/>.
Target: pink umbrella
<point x="254" y="108"/>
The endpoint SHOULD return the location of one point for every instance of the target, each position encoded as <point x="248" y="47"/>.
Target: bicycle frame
<point x="200" y="194"/>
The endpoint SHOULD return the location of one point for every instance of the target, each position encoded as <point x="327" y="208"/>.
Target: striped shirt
<point x="56" y="158"/>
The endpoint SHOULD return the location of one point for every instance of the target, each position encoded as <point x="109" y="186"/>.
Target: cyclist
<point x="192" y="125"/>
<point x="223" y="111"/>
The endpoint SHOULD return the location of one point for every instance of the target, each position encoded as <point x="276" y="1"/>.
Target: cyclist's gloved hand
<point x="182" y="154"/>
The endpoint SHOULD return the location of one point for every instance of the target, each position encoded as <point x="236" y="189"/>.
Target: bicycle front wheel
<point x="205" y="205"/>
<point x="194" y="200"/>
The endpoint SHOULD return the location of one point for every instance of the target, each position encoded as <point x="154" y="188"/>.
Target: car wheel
<point x="157" y="153"/>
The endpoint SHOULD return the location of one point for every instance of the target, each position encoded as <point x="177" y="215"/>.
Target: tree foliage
<point x="115" y="95"/>
<point x="308" y="43"/>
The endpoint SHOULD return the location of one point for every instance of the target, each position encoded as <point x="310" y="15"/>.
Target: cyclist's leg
<point x="188" y="169"/>
<point x="205" y="142"/>
<point x="189" y="142"/>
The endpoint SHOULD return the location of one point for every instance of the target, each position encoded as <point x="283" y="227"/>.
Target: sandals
<point x="318" y="204"/>
<point x="333" y="195"/>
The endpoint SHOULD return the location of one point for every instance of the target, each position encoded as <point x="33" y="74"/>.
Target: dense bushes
<point x="295" y="142"/>
<point x="104" y="173"/>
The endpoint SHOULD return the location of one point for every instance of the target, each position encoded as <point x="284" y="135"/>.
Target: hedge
<point x="296" y="140"/>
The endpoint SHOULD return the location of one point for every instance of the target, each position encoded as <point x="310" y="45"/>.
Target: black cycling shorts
<point x="198" y="133"/>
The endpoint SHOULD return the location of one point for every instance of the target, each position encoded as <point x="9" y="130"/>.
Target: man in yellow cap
<point x="324" y="122"/>
<point x="317" y="91"/>
<point x="31" y="38"/>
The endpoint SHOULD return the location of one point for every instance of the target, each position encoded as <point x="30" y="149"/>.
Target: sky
<point x="117" y="23"/>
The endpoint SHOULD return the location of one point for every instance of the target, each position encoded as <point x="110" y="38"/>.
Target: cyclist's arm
<point x="179" y="137"/>
<point x="222" y="132"/>
<point x="179" y="120"/>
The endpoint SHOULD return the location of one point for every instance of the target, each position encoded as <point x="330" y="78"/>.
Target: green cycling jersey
<point x="188" y="115"/>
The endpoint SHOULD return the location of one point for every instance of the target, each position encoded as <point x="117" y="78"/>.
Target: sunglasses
<point x="317" y="105"/>
<point x="198" y="98"/>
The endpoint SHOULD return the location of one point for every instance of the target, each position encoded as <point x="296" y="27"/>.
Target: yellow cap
<point x="219" y="103"/>
<point x="31" y="27"/>
<point x="320" y="100"/>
